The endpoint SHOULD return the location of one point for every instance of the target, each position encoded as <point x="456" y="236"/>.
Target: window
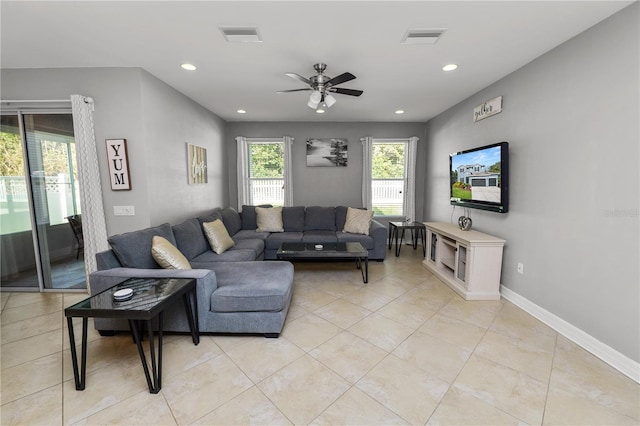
<point x="263" y="171"/>
<point x="389" y="176"/>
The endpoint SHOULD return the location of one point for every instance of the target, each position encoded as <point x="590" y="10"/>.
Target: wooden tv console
<point x="467" y="261"/>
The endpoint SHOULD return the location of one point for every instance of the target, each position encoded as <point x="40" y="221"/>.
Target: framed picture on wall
<point x="197" y="164"/>
<point x="330" y="152"/>
<point x="118" y="164"/>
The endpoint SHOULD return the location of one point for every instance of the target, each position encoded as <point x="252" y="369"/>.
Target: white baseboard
<point x="620" y="362"/>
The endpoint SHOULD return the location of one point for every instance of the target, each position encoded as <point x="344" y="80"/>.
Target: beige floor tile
<point x="431" y="295"/>
<point x="249" y="408"/>
<point x="310" y="298"/>
<point x="565" y="408"/>
<point x="228" y="342"/>
<point x="142" y="408"/>
<point x="41" y="408"/>
<point x="309" y="331"/>
<point x="506" y="389"/>
<point x="200" y="390"/>
<point x="33" y="310"/>
<point x="261" y="358"/>
<point x="336" y="288"/>
<point x="31" y="348"/>
<point x="436" y="357"/>
<point x="513" y="321"/>
<point x="104" y="387"/>
<point x="406" y="313"/>
<point x="581" y="374"/>
<point x="383" y="332"/>
<point x="453" y="331"/>
<point x="181" y="354"/>
<point x="295" y="311"/>
<point x="304" y="389"/>
<point x="25" y="299"/>
<point x="510" y="352"/>
<point x="31" y="377"/>
<point x="411" y="393"/>
<point x="391" y="286"/>
<point x="342" y="313"/>
<point x="460" y="408"/>
<point x="348" y="355"/>
<point x="368" y="299"/>
<point x="30" y="327"/>
<point x="476" y="312"/>
<point x="355" y="407"/>
<point x="101" y="353"/>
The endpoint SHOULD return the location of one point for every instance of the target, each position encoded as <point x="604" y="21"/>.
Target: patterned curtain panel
<point x="93" y="222"/>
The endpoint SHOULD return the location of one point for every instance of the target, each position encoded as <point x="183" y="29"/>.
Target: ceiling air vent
<point x="422" y="36"/>
<point x="241" y="34"/>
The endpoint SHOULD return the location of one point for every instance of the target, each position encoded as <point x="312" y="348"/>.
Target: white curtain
<point x="244" y="194"/>
<point x="288" y="186"/>
<point x="94" y="229"/>
<point x="367" y="145"/>
<point x="409" y="206"/>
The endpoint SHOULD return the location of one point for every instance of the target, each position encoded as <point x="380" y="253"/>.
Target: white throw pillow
<point x="218" y="236"/>
<point x="167" y="255"/>
<point x="269" y="219"/>
<point x="358" y="221"/>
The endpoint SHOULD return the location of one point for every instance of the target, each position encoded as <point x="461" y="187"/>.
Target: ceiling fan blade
<point x="350" y="92"/>
<point x="298" y="77"/>
<point x="339" y="79"/>
<point x="294" y="90"/>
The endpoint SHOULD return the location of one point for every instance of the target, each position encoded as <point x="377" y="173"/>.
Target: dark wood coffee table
<point x="328" y="251"/>
<point x="150" y="299"/>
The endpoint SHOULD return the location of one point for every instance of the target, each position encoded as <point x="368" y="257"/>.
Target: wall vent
<point x="241" y="34"/>
<point x="422" y="36"/>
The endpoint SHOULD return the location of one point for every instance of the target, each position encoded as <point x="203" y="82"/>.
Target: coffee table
<point x="150" y="299"/>
<point x="327" y="251"/>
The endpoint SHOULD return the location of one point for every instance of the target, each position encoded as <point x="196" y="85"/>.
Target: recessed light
<point x="241" y="111"/>
<point x="449" y="67"/>
<point x="320" y="111"/>
<point x="188" y="67"/>
<point x="400" y="111"/>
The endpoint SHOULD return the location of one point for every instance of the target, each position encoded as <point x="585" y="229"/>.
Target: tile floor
<point x="403" y="349"/>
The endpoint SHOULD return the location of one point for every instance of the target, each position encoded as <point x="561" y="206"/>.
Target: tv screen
<point x="480" y="178"/>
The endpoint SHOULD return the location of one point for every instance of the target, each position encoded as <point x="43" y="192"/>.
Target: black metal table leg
<point x="193" y="320"/>
<point x="390" y="235"/>
<point x="399" y="246"/>
<point x="79" y="376"/>
<point x="365" y="270"/>
<point x="154" y="379"/>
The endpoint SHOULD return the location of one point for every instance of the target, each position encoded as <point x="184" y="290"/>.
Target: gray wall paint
<point x="571" y="117"/>
<point x="324" y="186"/>
<point x="132" y="104"/>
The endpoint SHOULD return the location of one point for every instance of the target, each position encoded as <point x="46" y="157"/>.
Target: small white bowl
<point x="123" y="294"/>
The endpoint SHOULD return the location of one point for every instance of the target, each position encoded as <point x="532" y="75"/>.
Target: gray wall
<point x="571" y="118"/>
<point x="156" y="121"/>
<point x="325" y="186"/>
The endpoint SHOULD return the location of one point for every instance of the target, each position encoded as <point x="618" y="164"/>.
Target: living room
<point x="571" y="118"/>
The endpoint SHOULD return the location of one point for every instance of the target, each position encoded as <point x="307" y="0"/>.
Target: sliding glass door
<point x="41" y="225"/>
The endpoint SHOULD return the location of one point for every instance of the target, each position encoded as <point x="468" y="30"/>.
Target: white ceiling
<point x="488" y="40"/>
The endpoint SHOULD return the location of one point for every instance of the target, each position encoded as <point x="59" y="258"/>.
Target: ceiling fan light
<point x="314" y="99"/>
<point x="312" y="104"/>
<point x="329" y="100"/>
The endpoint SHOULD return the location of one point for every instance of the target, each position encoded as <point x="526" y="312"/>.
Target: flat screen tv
<point x="480" y="178"/>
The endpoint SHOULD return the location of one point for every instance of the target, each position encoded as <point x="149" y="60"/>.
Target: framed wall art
<point x="330" y="152"/>
<point x="118" y="164"/>
<point x="197" y="164"/>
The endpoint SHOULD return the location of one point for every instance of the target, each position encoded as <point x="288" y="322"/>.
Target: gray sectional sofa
<point x="235" y="294"/>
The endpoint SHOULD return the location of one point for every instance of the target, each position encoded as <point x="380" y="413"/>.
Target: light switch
<point x="124" y="210"/>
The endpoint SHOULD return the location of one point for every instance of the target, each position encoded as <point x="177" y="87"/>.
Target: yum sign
<point x="487" y="109"/>
<point x="118" y="164"/>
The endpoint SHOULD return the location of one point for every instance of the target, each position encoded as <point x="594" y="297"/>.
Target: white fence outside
<point x="267" y="191"/>
<point x="387" y="196"/>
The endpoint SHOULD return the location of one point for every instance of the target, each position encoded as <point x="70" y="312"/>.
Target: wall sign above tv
<point x="479" y="178"/>
<point x="487" y="109"/>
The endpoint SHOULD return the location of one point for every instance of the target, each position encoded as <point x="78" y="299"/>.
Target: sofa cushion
<point x="257" y="245"/>
<point x="248" y="216"/>
<point x="252" y="287"/>
<point x="210" y="217"/>
<point x="319" y="219"/>
<point x="319" y="237"/>
<point x="231" y="220"/>
<point x="276" y="239"/>
<point x="269" y="219"/>
<point x="341" y="217"/>
<point x="133" y="249"/>
<point x="248" y="234"/>
<point x="167" y="255"/>
<point x="190" y="238"/>
<point x="293" y="218"/>
<point x="358" y="221"/>
<point x="367" y="241"/>
<point x="209" y="258"/>
<point x="218" y="237"/>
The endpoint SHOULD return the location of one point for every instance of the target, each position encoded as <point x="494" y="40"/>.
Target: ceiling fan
<point x="322" y="86"/>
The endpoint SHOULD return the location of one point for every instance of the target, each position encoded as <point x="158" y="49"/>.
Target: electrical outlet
<point x="520" y="268"/>
<point x="124" y="211"/>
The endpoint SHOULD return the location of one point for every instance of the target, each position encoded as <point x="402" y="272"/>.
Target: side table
<point x="150" y="299"/>
<point x="420" y="232"/>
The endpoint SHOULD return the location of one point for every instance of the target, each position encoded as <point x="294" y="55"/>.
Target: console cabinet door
<point x="461" y="264"/>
